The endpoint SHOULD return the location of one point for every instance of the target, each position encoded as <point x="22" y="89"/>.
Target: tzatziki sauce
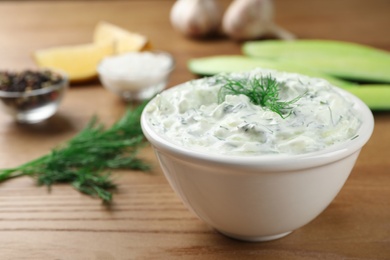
<point x="191" y="115"/>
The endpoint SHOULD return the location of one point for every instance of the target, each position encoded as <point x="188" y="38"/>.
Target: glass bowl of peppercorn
<point x="31" y="96"/>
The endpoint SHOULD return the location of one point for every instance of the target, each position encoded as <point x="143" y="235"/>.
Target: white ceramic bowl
<point x="136" y="75"/>
<point x="263" y="197"/>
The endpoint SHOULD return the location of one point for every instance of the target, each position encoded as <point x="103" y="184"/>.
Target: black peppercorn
<point x="26" y="90"/>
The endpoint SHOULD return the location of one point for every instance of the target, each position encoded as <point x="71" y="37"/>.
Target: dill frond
<point x="84" y="160"/>
<point x="263" y="91"/>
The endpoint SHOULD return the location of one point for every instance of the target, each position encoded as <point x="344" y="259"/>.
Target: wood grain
<point x="147" y="220"/>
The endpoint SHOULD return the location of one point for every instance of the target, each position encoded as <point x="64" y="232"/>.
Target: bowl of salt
<point x="136" y="76"/>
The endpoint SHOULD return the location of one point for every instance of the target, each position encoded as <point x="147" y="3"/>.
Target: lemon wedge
<point x="78" y="61"/>
<point x="124" y="40"/>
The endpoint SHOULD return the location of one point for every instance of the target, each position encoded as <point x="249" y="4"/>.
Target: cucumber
<point x="212" y="65"/>
<point x="341" y="59"/>
<point x="376" y="96"/>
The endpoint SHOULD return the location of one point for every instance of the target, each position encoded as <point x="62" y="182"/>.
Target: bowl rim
<point x="102" y="71"/>
<point x="278" y="162"/>
<point x="62" y="84"/>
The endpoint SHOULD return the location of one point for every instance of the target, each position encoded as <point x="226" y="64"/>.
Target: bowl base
<point x="255" y="238"/>
<point x="36" y="115"/>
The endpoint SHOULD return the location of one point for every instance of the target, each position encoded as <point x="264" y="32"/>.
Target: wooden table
<point x="146" y="219"/>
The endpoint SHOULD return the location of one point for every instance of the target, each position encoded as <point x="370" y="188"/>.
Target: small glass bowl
<point x="35" y="105"/>
<point x="136" y="76"/>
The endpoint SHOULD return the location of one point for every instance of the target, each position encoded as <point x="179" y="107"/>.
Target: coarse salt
<point x="145" y="72"/>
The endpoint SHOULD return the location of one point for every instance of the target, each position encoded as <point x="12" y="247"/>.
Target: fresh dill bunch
<point x="263" y="91"/>
<point x="84" y="160"/>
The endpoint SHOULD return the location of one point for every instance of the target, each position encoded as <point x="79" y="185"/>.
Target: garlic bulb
<point x="196" y="18"/>
<point x="251" y="19"/>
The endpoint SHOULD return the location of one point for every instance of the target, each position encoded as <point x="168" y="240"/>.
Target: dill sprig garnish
<point x="263" y="91"/>
<point x="84" y="159"/>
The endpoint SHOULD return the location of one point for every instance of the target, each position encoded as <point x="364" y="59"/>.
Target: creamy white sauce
<point x="190" y="116"/>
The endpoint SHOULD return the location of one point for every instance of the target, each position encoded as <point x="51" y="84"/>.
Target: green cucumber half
<point x="376" y="96"/>
<point x="342" y="59"/>
<point x="235" y="63"/>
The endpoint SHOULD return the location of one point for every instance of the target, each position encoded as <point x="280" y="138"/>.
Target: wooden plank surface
<point x="146" y="219"/>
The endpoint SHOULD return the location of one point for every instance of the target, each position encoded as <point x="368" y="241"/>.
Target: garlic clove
<point x="196" y="18"/>
<point x="251" y="19"/>
<point x="280" y="32"/>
